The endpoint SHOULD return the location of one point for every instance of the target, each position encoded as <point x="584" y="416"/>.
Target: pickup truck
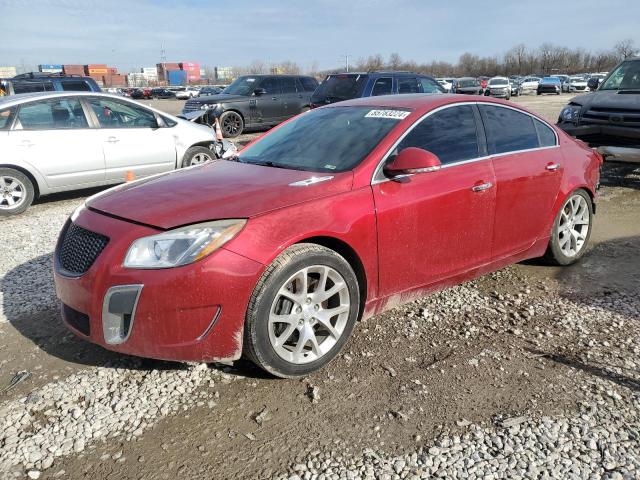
<point x="609" y="118"/>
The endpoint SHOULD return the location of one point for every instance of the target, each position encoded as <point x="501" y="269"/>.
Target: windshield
<point x="340" y="87"/>
<point x="332" y="139"/>
<point x="498" y="81"/>
<point x="242" y="86"/>
<point x="577" y="80"/>
<point x="626" y="76"/>
<point x="467" y="82"/>
<point x="550" y="80"/>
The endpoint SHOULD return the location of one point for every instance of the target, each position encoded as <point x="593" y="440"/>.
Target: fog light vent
<point x="118" y="312"/>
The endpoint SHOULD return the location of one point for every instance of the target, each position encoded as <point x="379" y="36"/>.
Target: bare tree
<point x="626" y="48"/>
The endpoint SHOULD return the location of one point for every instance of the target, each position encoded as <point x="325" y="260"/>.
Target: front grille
<point x="191" y="106"/>
<point x="79" y="248"/>
<point x="76" y="319"/>
<point x="622" y="117"/>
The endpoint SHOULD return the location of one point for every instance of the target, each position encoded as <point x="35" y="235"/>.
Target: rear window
<point x="75" y="86"/>
<point x="309" y="84"/>
<point x="467" y="83"/>
<point x="336" y="88"/>
<point x="508" y="130"/>
<point x="31" y="87"/>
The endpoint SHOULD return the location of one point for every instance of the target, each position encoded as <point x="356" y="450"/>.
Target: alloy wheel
<point x="12" y="193"/>
<point x="199" y="158"/>
<point x="231" y="124"/>
<point x="573" y="225"/>
<point x="309" y="314"/>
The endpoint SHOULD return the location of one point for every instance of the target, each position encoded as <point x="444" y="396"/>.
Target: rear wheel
<point x="232" y="124"/>
<point x="302" y="311"/>
<point x="16" y="192"/>
<point x="571" y="230"/>
<point x="196" y="156"/>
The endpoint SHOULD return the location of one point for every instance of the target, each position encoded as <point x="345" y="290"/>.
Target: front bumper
<point x="613" y="142"/>
<point x="190" y="313"/>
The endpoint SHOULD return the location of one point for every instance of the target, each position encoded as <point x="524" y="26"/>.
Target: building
<point x="8" y="72"/>
<point x="224" y="74"/>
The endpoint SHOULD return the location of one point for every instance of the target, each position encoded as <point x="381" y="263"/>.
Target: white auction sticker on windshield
<point x="395" y="114"/>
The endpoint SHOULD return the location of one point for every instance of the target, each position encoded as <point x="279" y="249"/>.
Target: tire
<point x="232" y="124"/>
<point x="197" y="156"/>
<point x="508" y="96"/>
<point x="290" y="359"/>
<point x="16" y="192"/>
<point x="558" y="251"/>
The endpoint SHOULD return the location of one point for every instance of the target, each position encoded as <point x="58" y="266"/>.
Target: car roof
<point x="421" y="102"/>
<point x="19" y="98"/>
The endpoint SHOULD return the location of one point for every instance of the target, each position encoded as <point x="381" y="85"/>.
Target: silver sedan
<point x="58" y="141"/>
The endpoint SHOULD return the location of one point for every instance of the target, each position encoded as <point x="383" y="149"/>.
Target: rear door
<point x="54" y="137"/>
<point x="131" y="139"/>
<point x="432" y="226"/>
<point x="382" y="86"/>
<point x="291" y="98"/>
<point x="528" y="167"/>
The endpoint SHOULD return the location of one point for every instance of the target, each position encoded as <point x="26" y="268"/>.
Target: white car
<point x="445" y="83"/>
<point x="187" y="93"/>
<point x="58" y="141"/>
<point x="499" y="87"/>
<point x="529" y="85"/>
<point x="575" y="84"/>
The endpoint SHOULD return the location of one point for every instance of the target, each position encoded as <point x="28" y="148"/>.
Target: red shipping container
<point x="96" y="65"/>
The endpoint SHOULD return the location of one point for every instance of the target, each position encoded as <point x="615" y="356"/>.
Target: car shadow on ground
<point x="618" y="174"/>
<point x="30" y="306"/>
<point x="72" y="195"/>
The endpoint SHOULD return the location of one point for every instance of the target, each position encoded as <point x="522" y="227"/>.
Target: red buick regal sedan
<point x="338" y="214"/>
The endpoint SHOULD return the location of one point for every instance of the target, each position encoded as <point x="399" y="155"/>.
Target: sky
<point x="129" y="34"/>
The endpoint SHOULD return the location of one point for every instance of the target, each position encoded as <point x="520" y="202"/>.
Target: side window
<point x="6" y="117"/>
<point x="383" y="86"/>
<point x="546" y="136"/>
<point x="508" y="130"/>
<point x="62" y="113"/>
<point x="76" y="86"/>
<point x="114" y="114"/>
<point x="309" y="84"/>
<point x="408" y="85"/>
<point x="30" y="87"/>
<point x="450" y="134"/>
<point x="430" y="86"/>
<point x="288" y="84"/>
<point x="271" y="85"/>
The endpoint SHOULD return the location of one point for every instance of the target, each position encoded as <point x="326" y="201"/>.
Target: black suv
<point x="609" y="118"/>
<point x="254" y="101"/>
<point x="345" y="86"/>
<point x="48" y="82"/>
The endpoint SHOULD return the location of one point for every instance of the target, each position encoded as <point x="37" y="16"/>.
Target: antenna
<point x="163" y="54"/>
<point x="346" y="57"/>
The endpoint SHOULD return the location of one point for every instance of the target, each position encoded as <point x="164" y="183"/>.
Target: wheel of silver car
<point x="302" y="311"/>
<point x="196" y="156"/>
<point x="572" y="229"/>
<point x="231" y="124"/>
<point x="16" y="192"/>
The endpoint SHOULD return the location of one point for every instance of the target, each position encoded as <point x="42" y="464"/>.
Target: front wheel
<point x="571" y="230"/>
<point x="302" y="311"/>
<point x="196" y="156"/>
<point x="232" y="124"/>
<point x="16" y="192"/>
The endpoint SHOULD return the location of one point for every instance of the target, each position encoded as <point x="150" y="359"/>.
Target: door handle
<point x="552" y="167"/>
<point x="482" y="187"/>
<point x="274" y="98"/>
<point x="112" y="140"/>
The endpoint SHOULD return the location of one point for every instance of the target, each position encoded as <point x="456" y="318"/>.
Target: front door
<point x="132" y="140"/>
<point x="54" y="137"/>
<point x="269" y="105"/>
<point x="528" y="168"/>
<point x="435" y="225"/>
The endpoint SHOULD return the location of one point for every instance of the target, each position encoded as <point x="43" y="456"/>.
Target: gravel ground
<point x="530" y="372"/>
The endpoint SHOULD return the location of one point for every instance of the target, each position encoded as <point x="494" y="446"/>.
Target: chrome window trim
<point x="378" y="169"/>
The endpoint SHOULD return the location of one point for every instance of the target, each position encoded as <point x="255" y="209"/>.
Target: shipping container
<point x="177" y="77"/>
<point x="73" y="69"/>
<point x="97" y="71"/>
<point x="96" y="65"/>
<point x="8" y="72"/>
<point x="190" y="66"/>
<point x="50" y="68"/>
<point x="149" y="70"/>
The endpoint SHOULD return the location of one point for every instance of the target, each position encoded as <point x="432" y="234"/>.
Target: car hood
<point x="609" y="99"/>
<point x="215" y="190"/>
<point x="220" y="98"/>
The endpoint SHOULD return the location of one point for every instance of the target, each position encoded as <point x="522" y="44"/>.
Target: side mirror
<point x="259" y="91"/>
<point x="412" y="160"/>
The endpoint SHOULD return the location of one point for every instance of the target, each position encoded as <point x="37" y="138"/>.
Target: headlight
<point x="181" y="246"/>
<point x="204" y="107"/>
<point x="570" y="113"/>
